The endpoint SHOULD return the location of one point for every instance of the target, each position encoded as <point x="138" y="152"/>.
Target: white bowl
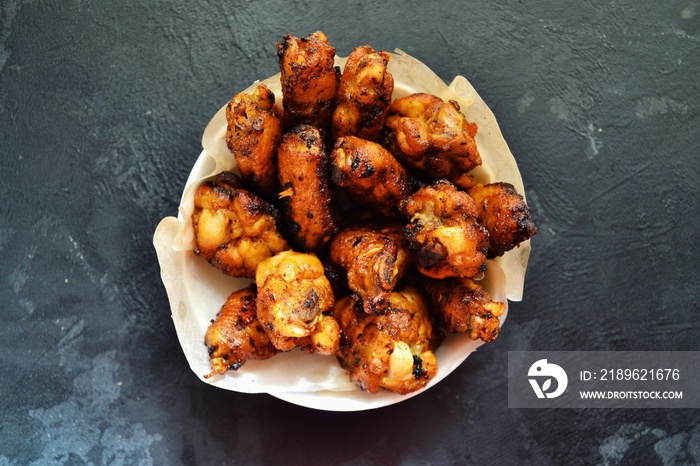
<point x="196" y="290"/>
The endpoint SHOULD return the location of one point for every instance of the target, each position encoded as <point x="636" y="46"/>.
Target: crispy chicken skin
<point x="369" y="174"/>
<point x="364" y="94"/>
<point x="293" y="295"/>
<point x="306" y="196"/>
<point x="392" y="351"/>
<point x="504" y="213"/>
<point x="373" y="261"/>
<point x="461" y="305"/>
<point x="309" y="79"/>
<point x="254" y="130"/>
<point x="236" y="336"/>
<point x="433" y="138"/>
<point x="234" y="229"/>
<point x="443" y="236"/>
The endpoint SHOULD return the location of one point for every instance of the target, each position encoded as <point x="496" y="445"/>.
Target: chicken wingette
<point x="306" y="197"/>
<point x="364" y="94"/>
<point x="393" y="351"/>
<point x="433" y="138"/>
<point x="504" y="213"/>
<point x="235" y="335"/>
<point x="462" y="305"/>
<point x="254" y="129"/>
<point x="369" y="174"/>
<point x="309" y="80"/>
<point x="294" y="298"/>
<point x="234" y="229"/>
<point x="443" y="236"/>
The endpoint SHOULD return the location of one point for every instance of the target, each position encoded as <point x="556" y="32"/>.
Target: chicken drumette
<point x="309" y="79"/>
<point x="393" y="350"/>
<point x="373" y="260"/>
<point x="461" y="305"/>
<point x="369" y="174"/>
<point x="234" y="229"/>
<point x="236" y="336"/>
<point x="294" y="298"/>
<point x="364" y="94"/>
<point x="443" y="236"/>
<point x="433" y="138"/>
<point x="306" y="196"/>
<point x="504" y="213"/>
<point x="253" y="132"/>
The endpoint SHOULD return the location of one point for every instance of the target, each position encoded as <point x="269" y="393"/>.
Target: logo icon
<point x="547" y="371"/>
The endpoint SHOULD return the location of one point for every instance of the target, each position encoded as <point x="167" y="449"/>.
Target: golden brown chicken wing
<point x="293" y="295"/>
<point x="504" y="213"/>
<point x="369" y="174"/>
<point x="236" y="336"/>
<point x="443" y="236"/>
<point x="309" y="79"/>
<point x="254" y="130"/>
<point x="306" y="196"/>
<point x="393" y="351"/>
<point x="374" y="263"/>
<point x="364" y="94"/>
<point x="433" y="137"/>
<point x="234" y="229"/>
<point x="462" y="305"/>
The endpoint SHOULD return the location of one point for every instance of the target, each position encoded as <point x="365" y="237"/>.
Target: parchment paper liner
<point x="196" y="290"/>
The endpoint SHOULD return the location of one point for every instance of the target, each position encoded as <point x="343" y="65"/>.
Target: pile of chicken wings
<point x="357" y="219"/>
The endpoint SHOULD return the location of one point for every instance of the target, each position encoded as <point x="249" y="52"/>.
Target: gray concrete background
<point x="102" y="106"/>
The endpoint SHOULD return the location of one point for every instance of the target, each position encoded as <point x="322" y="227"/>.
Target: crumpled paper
<point x="196" y="290"/>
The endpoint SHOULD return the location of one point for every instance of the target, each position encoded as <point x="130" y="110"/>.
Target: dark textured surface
<point x="102" y="106"/>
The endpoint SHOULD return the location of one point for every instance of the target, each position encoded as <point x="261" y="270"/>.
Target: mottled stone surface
<point x="102" y="106"/>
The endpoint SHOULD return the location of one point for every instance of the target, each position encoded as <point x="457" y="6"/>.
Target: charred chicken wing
<point x="293" y="295"/>
<point x="433" y="138"/>
<point x="374" y="262"/>
<point x="364" y="94"/>
<point x="234" y="229"/>
<point x="369" y="174"/>
<point x="307" y="201"/>
<point x="309" y="79"/>
<point x="505" y="215"/>
<point x="236" y="336"/>
<point x="443" y="236"/>
<point x="392" y="351"/>
<point x="461" y="305"/>
<point x="254" y="130"/>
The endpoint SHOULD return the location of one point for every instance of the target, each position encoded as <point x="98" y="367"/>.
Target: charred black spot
<point x="432" y="254"/>
<point x="418" y="371"/>
<point x="310" y="300"/>
<point x="235" y="366"/>
<point x="358" y="240"/>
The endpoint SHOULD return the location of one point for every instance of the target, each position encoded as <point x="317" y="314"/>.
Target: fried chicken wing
<point x="461" y="305"/>
<point x="234" y="229"/>
<point x="432" y="137"/>
<point x="236" y="336"/>
<point x="504" y="213"/>
<point x="369" y="174"/>
<point x="293" y="295"/>
<point x="306" y="196"/>
<point x="393" y="351"/>
<point x="253" y="132"/>
<point x="364" y="94"/>
<point x="374" y="263"/>
<point x="443" y="236"/>
<point x="309" y="79"/>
